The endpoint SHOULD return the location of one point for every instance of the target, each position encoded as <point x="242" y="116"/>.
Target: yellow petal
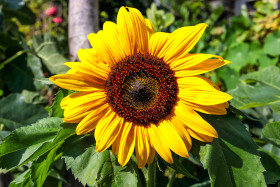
<point x="84" y="103"/>
<point x="76" y="82"/>
<point x="159" y="143"/>
<point x="132" y="31"/>
<point x="197" y="90"/>
<point x="150" y="27"/>
<point x="193" y="120"/>
<point x="156" y="43"/>
<point x="89" y="123"/>
<point x="172" y="138"/>
<point x="182" y="131"/>
<point x="201" y="67"/>
<point x="219" y="109"/>
<point x="89" y="69"/>
<point x="76" y="118"/>
<point x="181" y="41"/>
<point x="142" y="146"/>
<point x="107" y="131"/>
<point x="126" y="144"/>
<point x="199" y="136"/>
<point x="152" y="155"/>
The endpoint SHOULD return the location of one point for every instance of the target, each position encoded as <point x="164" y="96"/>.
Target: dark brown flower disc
<point x="142" y="89"/>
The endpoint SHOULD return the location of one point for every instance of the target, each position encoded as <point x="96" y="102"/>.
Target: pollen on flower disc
<point x="142" y="89"/>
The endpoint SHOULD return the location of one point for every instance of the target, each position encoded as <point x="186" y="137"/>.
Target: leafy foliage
<point x="15" y="112"/>
<point x="233" y="158"/>
<point x="257" y="89"/>
<point x="94" y="168"/>
<point x="46" y="47"/>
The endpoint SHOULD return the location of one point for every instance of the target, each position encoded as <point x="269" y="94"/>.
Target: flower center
<point x="142" y="89"/>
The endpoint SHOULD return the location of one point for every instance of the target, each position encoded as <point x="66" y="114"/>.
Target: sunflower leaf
<point x="46" y="48"/>
<point x="94" y="168"/>
<point x="271" y="133"/>
<point x="28" y="143"/>
<point x="271" y="163"/>
<point x="257" y="89"/>
<point x="232" y="159"/>
<point x="56" y="110"/>
<point x="41" y="168"/>
<point x="15" y="112"/>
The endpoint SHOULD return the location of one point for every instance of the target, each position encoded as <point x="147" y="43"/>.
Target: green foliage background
<point x="37" y="148"/>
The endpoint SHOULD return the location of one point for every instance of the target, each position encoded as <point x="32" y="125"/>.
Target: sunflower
<point x="139" y="90"/>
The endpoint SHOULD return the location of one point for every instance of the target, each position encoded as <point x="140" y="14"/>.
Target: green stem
<point x="12" y="58"/>
<point x="173" y="176"/>
<point x="151" y="181"/>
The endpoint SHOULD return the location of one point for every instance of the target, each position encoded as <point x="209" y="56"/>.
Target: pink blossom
<point x="57" y="19"/>
<point x="51" y="11"/>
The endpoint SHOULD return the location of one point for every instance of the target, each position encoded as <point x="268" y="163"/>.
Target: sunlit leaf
<point x="272" y="44"/>
<point x="232" y="159"/>
<point x="257" y="89"/>
<point x="47" y="48"/>
<point x="271" y="133"/>
<point x="94" y="168"/>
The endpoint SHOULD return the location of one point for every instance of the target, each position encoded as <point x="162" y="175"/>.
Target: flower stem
<point x="151" y="181"/>
<point x="173" y="176"/>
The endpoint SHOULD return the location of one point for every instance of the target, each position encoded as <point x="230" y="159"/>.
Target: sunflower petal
<point x="193" y="120"/>
<point x="127" y="143"/>
<point x="107" y="131"/>
<point x="142" y="146"/>
<point x="89" y="123"/>
<point x="199" y="136"/>
<point x="150" y="27"/>
<point x="173" y="139"/>
<point x="152" y="155"/>
<point x="159" y="143"/>
<point x="132" y="31"/>
<point x="197" y="90"/>
<point x="156" y="43"/>
<point x="76" y="82"/>
<point x="181" y="41"/>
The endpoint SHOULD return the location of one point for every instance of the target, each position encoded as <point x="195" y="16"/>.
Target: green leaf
<point x="14" y="4"/>
<point x="254" y="52"/>
<point x="94" y="168"/>
<point x="271" y="133"/>
<point x="232" y="159"/>
<point x="272" y="44"/>
<point x="237" y="54"/>
<point x="35" y="66"/>
<point x="33" y="97"/>
<point x="56" y="110"/>
<point x="41" y="168"/>
<point x="257" y="89"/>
<point x="24" y="14"/>
<point x="271" y="164"/>
<point x="47" y="48"/>
<point x="22" y="180"/>
<point x="19" y="74"/>
<point x="28" y="142"/>
<point x="14" y="112"/>
<point x="266" y="61"/>
<point x="276" y="108"/>
<point x="229" y="76"/>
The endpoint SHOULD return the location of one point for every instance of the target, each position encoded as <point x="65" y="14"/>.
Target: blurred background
<point x="38" y="36"/>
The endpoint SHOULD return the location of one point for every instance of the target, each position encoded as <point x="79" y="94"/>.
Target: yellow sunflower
<point x="140" y="90"/>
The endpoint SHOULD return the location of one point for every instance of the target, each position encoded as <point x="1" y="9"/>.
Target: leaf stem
<point x="151" y="180"/>
<point x="171" y="180"/>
